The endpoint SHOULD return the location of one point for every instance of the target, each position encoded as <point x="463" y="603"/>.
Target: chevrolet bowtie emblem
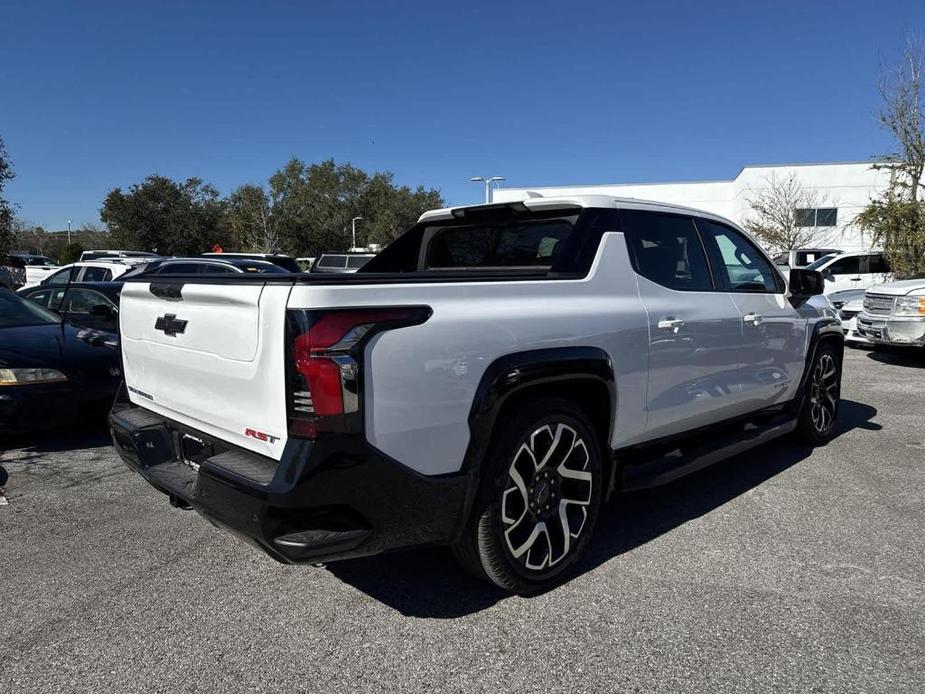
<point x="170" y="324"/>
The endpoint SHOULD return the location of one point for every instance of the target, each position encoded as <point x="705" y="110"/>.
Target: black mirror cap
<point x="804" y="284"/>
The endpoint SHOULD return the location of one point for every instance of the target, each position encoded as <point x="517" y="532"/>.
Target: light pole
<point x="69" y="232"/>
<point x="353" y="228"/>
<point x="487" y="180"/>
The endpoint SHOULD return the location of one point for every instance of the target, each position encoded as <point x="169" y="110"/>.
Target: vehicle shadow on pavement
<point x="75" y="438"/>
<point x="430" y="584"/>
<point x="900" y="356"/>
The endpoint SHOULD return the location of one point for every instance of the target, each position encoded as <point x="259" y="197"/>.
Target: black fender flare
<point x="825" y="331"/>
<point x="512" y="373"/>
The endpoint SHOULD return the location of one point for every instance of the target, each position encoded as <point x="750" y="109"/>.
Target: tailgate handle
<point x="168" y="292"/>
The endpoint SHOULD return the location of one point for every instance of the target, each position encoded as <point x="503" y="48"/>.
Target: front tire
<point x="538" y="500"/>
<point x="822" y="395"/>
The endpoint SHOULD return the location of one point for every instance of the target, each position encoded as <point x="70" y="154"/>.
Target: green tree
<point x="166" y="216"/>
<point x="312" y="206"/>
<point x="7" y="231"/>
<point x="896" y="220"/>
<point x="250" y="218"/>
<point x="70" y="253"/>
<point x="389" y="210"/>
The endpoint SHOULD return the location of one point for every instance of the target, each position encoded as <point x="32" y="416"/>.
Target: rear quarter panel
<point x="420" y="381"/>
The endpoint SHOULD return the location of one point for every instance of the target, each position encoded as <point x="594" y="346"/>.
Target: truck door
<point x="773" y="332"/>
<point x="694" y="329"/>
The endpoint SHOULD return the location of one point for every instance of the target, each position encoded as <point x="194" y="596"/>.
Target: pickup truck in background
<point x="894" y="314"/>
<point x="485" y="382"/>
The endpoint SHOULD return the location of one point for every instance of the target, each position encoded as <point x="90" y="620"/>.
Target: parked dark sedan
<point x="84" y="304"/>
<point x="51" y="373"/>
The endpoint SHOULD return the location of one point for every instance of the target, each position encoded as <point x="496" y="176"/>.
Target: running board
<point x="691" y="457"/>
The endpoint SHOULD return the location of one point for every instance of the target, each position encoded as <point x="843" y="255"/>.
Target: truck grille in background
<point x="879" y="304"/>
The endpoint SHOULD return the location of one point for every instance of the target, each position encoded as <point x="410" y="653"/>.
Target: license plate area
<point x="194" y="450"/>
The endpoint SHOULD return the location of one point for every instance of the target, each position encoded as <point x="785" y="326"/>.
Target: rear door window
<point x="96" y="274"/>
<point x="879" y="265"/>
<point x="667" y="250"/>
<point x="849" y="265"/>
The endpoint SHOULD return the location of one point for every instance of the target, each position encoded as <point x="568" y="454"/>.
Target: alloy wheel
<point x="544" y="506"/>
<point x="823" y="394"/>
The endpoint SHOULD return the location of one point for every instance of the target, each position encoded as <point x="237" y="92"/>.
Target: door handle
<point x="855" y="279"/>
<point x="672" y="324"/>
<point x="752" y="318"/>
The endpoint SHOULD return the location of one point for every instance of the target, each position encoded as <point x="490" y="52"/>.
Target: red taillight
<point x="324" y="379"/>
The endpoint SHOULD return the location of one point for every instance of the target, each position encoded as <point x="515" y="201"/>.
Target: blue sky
<point x="98" y="95"/>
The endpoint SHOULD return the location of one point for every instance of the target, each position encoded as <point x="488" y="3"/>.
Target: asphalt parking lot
<point x="786" y="569"/>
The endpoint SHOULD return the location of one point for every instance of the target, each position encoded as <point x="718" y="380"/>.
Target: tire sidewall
<point x="495" y="480"/>
<point x="806" y="419"/>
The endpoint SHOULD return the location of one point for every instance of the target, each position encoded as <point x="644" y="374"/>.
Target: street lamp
<point x="69" y="232"/>
<point x="487" y="181"/>
<point x="353" y="228"/>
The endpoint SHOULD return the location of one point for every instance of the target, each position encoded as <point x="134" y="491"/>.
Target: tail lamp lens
<point x="324" y="388"/>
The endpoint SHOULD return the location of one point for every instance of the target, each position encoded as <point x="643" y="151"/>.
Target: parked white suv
<point x="90" y="271"/>
<point x="487" y="381"/>
<point x="852" y="270"/>
<point x="894" y="314"/>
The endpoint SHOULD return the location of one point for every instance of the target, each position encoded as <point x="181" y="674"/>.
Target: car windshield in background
<point x="528" y="244"/>
<point x="819" y="263"/>
<point x="16" y="312"/>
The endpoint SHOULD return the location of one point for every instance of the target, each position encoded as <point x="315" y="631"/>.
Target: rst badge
<point x="261" y="436"/>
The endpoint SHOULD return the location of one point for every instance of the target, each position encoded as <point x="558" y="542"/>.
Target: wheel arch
<point x="583" y="375"/>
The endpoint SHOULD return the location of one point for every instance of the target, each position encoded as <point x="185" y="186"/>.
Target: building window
<point x="816" y="216"/>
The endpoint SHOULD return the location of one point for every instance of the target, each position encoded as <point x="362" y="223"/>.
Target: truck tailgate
<point x="211" y="356"/>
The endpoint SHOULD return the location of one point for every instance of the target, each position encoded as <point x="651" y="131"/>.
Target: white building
<point x="842" y="189"/>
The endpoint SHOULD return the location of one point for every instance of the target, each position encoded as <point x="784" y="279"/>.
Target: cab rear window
<point x="527" y="244"/>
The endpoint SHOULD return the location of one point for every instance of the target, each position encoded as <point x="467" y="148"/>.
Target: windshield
<point x="16" y="312"/>
<point x="816" y="264"/>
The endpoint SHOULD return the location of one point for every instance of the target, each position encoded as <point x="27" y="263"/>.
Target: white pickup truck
<point x="894" y="314"/>
<point x="487" y="381"/>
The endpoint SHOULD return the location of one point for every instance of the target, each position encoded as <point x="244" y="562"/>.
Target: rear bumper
<point x="333" y="498"/>
<point x="893" y="330"/>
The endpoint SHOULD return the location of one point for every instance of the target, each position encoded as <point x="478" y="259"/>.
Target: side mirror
<point x="804" y="284"/>
<point x="102" y="311"/>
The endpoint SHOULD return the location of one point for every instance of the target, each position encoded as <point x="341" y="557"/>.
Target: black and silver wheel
<point x="539" y="499"/>
<point x="820" y="400"/>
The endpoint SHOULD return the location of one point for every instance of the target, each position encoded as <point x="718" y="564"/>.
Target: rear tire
<point x="821" y="398"/>
<point x="538" y="499"/>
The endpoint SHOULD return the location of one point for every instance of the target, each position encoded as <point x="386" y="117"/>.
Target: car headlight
<point x="910" y="306"/>
<point x="25" y="377"/>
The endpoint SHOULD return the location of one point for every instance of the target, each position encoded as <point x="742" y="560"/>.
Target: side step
<point x="700" y="452"/>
